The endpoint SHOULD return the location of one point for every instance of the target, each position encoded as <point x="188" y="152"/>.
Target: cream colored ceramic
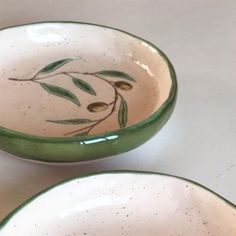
<point x="134" y="204"/>
<point x="73" y="91"/>
<point x="61" y="80"/>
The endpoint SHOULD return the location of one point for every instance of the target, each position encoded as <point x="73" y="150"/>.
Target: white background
<point x="199" y="141"/>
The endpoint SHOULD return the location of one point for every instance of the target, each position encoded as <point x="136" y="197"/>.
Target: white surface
<point x="125" y="204"/>
<point x="199" y="141"/>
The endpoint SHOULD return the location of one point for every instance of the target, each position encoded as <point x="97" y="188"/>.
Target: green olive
<point x="123" y="85"/>
<point x="97" y="107"/>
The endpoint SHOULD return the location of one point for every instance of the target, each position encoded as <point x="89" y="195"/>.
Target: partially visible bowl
<point x="74" y="92"/>
<point x="124" y="203"/>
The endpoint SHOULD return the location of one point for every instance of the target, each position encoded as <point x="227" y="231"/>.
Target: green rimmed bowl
<point x="124" y="203"/>
<point x="74" y="92"/>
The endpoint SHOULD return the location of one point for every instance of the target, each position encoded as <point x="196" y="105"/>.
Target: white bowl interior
<point x="26" y="106"/>
<point x="125" y="204"/>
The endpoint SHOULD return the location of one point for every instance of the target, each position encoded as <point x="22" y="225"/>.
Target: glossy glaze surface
<point x="134" y="204"/>
<point x="78" y="80"/>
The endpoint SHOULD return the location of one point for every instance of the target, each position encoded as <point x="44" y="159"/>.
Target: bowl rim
<point x="7" y="219"/>
<point x="103" y="136"/>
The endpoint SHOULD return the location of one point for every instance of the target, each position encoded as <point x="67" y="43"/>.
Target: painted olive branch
<point x="46" y="72"/>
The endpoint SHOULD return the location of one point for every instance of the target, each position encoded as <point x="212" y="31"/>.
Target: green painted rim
<point x="155" y="116"/>
<point x="116" y="172"/>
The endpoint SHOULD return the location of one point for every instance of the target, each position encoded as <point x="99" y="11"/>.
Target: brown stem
<point x="78" y="130"/>
<point x="15" y="79"/>
<point x="49" y="76"/>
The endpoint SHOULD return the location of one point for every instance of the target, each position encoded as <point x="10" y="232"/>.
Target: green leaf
<point x="54" y="65"/>
<point x="83" y="86"/>
<point x="123" y="113"/>
<point x="60" y="92"/>
<point x="114" y="73"/>
<point x="71" y="121"/>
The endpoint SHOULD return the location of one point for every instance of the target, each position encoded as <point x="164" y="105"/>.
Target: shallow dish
<point x="124" y="203"/>
<point x="75" y="92"/>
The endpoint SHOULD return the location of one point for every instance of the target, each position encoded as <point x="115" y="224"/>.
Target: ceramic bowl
<point x="75" y="92"/>
<point x="124" y="203"/>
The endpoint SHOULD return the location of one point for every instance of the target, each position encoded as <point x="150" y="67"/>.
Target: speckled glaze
<point x="124" y="203"/>
<point x="74" y="92"/>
